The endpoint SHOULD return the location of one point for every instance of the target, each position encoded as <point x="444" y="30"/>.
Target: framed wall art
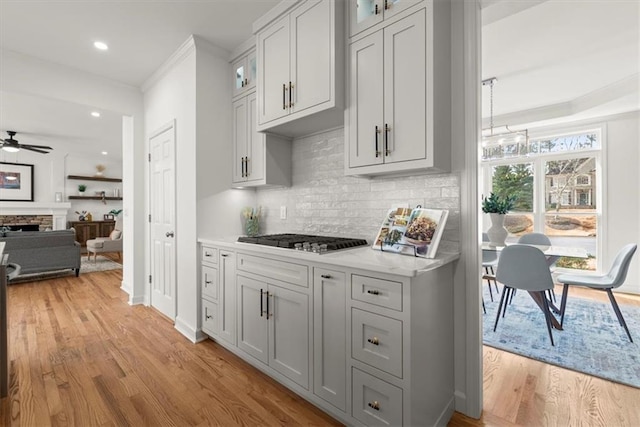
<point x="16" y="182"/>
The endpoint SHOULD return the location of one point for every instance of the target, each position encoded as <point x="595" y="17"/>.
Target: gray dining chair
<point x="489" y="264"/>
<point x="541" y="240"/>
<point x="613" y="279"/>
<point x="524" y="267"/>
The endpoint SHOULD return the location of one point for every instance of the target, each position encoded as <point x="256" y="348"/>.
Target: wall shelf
<point x="93" y="198"/>
<point x="94" y="178"/>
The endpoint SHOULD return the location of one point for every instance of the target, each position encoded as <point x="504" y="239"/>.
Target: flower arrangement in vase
<point x="497" y="207"/>
<point x="251" y="220"/>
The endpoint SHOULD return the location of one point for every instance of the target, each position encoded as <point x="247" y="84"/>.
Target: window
<point x="555" y="183"/>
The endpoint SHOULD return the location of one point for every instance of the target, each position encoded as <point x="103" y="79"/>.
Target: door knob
<point x="169" y="234"/>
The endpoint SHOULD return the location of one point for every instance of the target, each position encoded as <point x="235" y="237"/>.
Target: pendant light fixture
<point x="505" y="136"/>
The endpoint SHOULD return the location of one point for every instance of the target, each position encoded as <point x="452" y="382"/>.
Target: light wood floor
<point x="523" y="392"/>
<point x="81" y="356"/>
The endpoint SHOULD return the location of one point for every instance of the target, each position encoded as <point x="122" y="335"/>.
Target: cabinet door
<point x="106" y="228"/>
<point x="255" y="143"/>
<point x="329" y="337"/>
<point x="311" y="54"/>
<point x="239" y="139"/>
<point x="252" y="71"/>
<point x="252" y="318"/>
<point x="273" y="71"/>
<point x="405" y="90"/>
<point x="227" y="297"/>
<point x="289" y="334"/>
<point x="366" y="102"/>
<point x="240" y="75"/>
<point x="364" y="14"/>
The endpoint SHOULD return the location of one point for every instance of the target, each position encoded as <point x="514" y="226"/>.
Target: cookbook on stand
<point x="411" y="231"/>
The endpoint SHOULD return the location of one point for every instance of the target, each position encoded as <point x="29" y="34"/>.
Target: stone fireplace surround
<point x="52" y="216"/>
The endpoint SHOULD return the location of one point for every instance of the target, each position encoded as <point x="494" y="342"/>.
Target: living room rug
<point x="101" y="264"/>
<point x="592" y="342"/>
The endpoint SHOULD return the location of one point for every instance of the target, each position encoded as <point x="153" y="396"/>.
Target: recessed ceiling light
<point x="104" y="153"/>
<point x="95" y="114"/>
<point x="100" y="45"/>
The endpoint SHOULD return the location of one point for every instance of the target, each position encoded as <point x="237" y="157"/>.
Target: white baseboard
<point x="185" y="329"/>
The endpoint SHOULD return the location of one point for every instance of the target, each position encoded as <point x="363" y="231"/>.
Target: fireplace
<point x="26" y="227"/>
<point x="51" y="216"/>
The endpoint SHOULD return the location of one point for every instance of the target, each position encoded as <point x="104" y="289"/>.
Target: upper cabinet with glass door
<point x="244" y="68"/>
<point x="367" y="13"/>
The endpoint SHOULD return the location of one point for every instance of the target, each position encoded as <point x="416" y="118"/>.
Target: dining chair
<point x="541" y="240"/>
<point x="613" y="279"/>
<point x="489" y="264"/>
<point x="524" y="267"/>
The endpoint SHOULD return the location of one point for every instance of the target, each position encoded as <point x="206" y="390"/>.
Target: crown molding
<point x="177" y="57"/>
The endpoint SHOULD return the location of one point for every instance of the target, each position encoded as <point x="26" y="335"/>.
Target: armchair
<point x="113" y="243"/>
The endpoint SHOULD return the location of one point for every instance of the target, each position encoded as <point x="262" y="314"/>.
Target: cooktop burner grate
<point x="289" y="241"/>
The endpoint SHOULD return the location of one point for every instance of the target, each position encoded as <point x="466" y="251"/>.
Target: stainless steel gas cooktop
<point x="304" y="242"/>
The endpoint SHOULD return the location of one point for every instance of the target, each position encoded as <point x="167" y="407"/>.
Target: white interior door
<point x="163" y="220"/>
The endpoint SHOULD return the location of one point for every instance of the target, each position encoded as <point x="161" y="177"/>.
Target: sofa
<point x="40" y="251"/>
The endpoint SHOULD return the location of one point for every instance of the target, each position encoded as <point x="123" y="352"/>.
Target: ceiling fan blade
<point x="33" y="149"/>
<point x="44" y="147"/>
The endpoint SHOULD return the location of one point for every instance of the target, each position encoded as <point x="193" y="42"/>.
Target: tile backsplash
<point x="322" y="200"/>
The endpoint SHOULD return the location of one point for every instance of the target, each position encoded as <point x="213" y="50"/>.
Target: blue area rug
<point x="592" y="341"/>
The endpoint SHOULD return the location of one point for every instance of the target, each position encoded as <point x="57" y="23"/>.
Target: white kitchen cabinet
<point x="329" y="336"/>
<point x="244" y="72"/>
<point x="299" y="68"/>
<point x="227" y="297"/>
<point x="259" y="159"/>
<point x="367" y="13"/>
<point x="392" y="125"/>
<point x="273" y="326"/>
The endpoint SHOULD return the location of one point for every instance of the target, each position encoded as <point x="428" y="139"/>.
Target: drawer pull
<point x="208" y="282"/>
<point x="207" y="254"/>
<point x="375" y="405"/>
<point x="373" y="292"/>
<point x="325" y="276"/>
<point x="206" y="313"/>
<point x="374" y="341"/>
<point x="224" y="255"/>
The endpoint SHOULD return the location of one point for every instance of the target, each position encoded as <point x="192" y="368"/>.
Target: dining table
<point x="552" y="253"/>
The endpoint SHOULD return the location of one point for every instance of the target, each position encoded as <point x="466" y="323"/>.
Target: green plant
<point x="82" y="187"/>
<point x="115" y="212"/>
<point x="497" y="204"/>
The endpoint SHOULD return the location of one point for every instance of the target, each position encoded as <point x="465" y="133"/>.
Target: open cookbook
<point x="408" y="231"/>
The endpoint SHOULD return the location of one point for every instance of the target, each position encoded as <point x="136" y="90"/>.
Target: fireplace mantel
<point x="57" y="210"/>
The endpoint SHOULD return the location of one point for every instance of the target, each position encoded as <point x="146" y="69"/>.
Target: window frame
<point x="539" y="160"/>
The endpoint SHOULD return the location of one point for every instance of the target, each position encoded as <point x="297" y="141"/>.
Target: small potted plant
<point x="497" y="207"/>
<point x="81" y="189"/>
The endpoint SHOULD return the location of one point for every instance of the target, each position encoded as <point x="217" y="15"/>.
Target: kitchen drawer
<point x="377" y="341"/>
<point x="209" y="255"/>
<point x="375" y="402"/>
<point x="209" y="280"/>
<point x="280" y="270"/>
<point x="209" y="317"/>
<point x="384" y="293"/>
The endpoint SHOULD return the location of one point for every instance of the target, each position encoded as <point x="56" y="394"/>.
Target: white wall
<point x="24" y="74"/>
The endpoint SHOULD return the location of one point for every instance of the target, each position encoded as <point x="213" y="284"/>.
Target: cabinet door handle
<point x="246" y="82"/>
<point x="290" y="95"/>
<point x="267" y="313"/>
<point x="375" y="405"/>
<point x="242" y="83"/>
<point x="377" y="10"/>
<point x="373" y="292"/>
<point x="206" y="281"/>
<point x="325" y="276"/>
<point x="206" y="313"/>
<point x="246" y="167"/>
<point x="377" y="151"/>
<point x="386" y="6"/>
<point x="386" y="139"/>
<point x="261" y="303"/>
<point x="284" y="99"/>
<point x="374" y="341"/>
<point x="242" y="167"/>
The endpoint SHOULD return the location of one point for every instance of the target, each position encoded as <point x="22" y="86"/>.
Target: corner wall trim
<point x="185" y="329"/>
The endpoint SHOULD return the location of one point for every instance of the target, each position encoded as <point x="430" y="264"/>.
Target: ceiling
<point x="141" y="36"/>
<point x="552" y="58"/>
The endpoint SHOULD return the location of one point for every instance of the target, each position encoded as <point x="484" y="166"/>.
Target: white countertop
<point x="363" y="257"/>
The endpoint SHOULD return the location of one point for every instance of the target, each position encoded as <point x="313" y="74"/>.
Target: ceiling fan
<point x="11" y="145"/>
